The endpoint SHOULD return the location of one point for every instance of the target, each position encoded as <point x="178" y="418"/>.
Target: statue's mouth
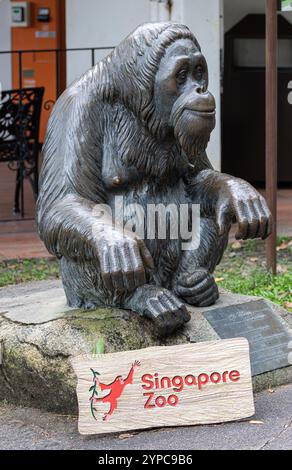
<point x="204" y="113"/>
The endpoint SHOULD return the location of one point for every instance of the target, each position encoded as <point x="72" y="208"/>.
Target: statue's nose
<point x="202" y="100"/>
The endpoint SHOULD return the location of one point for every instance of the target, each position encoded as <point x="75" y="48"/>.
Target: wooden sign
<point x="180" y="385"/>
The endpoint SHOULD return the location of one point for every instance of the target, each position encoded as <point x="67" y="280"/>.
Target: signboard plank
<point x="179" y="385"/>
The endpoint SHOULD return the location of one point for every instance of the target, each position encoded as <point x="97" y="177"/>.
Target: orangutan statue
<point x="137" y="126"/>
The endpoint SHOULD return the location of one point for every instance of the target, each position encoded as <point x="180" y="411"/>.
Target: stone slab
<point x="39" y="335"/>
<point x="34" y="302"/>
<point x="268" y="336"/>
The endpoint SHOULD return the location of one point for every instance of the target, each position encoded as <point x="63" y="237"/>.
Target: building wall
<point x="99" y="23"/>
<point x="5" y="44"/>
<point x="105" y="22"/>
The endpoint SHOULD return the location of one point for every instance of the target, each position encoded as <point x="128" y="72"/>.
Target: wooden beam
<point x="271" y="125"/>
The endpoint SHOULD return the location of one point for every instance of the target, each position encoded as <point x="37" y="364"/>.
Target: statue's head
<point x="160" y="74"/>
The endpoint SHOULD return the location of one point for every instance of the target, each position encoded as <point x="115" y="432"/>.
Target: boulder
<point x="39" y="335"/>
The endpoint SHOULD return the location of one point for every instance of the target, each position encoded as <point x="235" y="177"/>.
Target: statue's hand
<point x="239" y="202"/>
<point x="123" y="260"/>
<point x="198" y="288"/>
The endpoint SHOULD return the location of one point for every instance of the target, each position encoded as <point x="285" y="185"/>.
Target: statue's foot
<point x="82" y="304"/>
<point x="161" y="306"/>
<point x="198" y="288"/>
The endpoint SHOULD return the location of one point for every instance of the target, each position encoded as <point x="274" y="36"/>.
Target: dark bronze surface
<point x="137" y="125"/>
<point x="268" y="337"/>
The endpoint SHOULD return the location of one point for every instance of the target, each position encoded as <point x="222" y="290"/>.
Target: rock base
<point x="39" y="335"/>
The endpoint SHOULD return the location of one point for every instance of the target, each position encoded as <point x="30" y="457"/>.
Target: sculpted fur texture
<point x="137" y="125"/>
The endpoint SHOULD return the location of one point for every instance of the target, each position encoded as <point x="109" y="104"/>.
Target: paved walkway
<point x="25" y="428"/>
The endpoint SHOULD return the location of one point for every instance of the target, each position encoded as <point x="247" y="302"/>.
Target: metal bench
<point x="20" y="112"/>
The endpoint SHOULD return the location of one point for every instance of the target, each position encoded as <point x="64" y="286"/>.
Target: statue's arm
<point x="229" y="199"/>
<point x="70" y="215"/>
<point x="70" y="180"/>
<point x="68" y="227"/>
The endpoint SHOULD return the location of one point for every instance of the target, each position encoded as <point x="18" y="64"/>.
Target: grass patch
<point x="242" y="270"/>
<point x="17" y="271"/>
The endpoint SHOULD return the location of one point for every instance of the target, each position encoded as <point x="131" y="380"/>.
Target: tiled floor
<point x="18" y="238"/>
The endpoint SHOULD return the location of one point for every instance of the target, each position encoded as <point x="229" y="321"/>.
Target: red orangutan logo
<point x="115" y="388"/>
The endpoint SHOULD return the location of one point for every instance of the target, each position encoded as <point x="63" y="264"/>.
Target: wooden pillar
<point x="271" y="126"/>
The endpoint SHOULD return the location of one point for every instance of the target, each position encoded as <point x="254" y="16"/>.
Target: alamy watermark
<point x="151" y="222"/>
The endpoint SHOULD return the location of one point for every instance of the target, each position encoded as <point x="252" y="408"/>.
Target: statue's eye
<point x="181" y="76"/>
<point x="199" y="72"/>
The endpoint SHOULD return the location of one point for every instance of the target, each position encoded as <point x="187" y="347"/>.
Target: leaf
<point x="254" y="259"/>
<point x="219" y="279"/>
<point x="256" y="421"/>
<point x="236" y="246"/>
<point x="95" y="373"/>
<point x="282" y="294"/>
<point x="281" y="269"/>
<point x="288" y="305"/>
<point x="99" y="347"/>
<point x="283" y="246"/>
<point x="126" y="436"/>
<point x="91" y="388"/>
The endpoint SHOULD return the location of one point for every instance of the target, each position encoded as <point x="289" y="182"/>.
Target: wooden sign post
<point x="180" y="385"/>
<point x="271" y="126"/>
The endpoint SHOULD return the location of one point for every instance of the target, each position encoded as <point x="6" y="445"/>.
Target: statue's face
<point x="181" y="96"/>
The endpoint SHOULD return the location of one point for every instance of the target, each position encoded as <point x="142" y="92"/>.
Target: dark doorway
<point x="243" y="102"/>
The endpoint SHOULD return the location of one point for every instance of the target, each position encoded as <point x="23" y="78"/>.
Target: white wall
<point x="203" y="18"/>
<point x="104" y="23"/>
<point x="5" y="44"/>
<point x="99" y="23"/>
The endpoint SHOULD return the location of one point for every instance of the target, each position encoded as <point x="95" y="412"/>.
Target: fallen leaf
<point x="281" y="295"/>
<point x="126" y="436"/>
<point x="255" y="421"/>
<point x="288" y="305"/>
<point x="253" y="260"/>
<point x="281" y="269"/>
<point x="236" y="246"/>
<point x="219" y="279"/>
<point x="283" y="246"/>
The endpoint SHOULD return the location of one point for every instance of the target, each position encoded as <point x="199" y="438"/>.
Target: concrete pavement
<point x="27" y="428"/>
